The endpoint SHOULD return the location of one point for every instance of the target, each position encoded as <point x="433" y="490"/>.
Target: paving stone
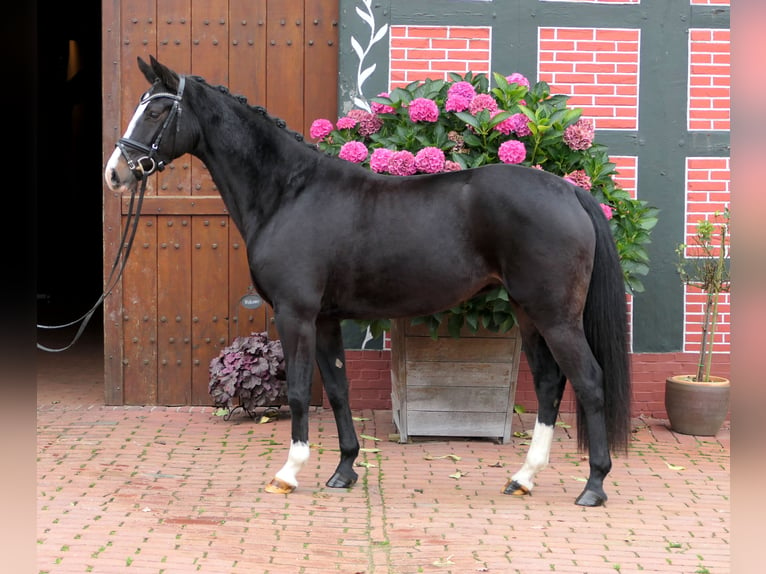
<point x="177" y="490"/>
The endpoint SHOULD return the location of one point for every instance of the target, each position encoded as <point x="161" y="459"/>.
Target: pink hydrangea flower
<point x="462" y="89"/>
<point x="608" y="210"/>
<point x="506" y="126"/>
<point x="353" y="151"/>
<point x="320" y="129"/>
<point x="482" y="102"/>
<point x="429" y="160"/>
<point x="345" y="123"/>
<point x="512" y="151"/>
<point x="450" y="165"/>
<point x="379" y="159"/>
<point x="402" y="163"/>
<point x="579" y="136"/>
<point x="519" y="79"/>
<point x="423" y="110"/>
<point x="520" y="124"/>
<point x="368" y="123"/>
<point x="381" y="108"/>
<point x="457" y="103"/>
<point x="459" y="96"/>
<point x="579" y="178"/>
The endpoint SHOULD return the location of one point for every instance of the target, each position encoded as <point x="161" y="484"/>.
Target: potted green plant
<point x="698" y="403"/>
<point x="464" y="361"/>
<point x="250" y="372"/>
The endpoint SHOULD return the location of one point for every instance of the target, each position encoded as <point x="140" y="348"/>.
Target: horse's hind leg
<point x="549" y="387"/>
<point x="332" y="365"/>
<point x="571" y="350"/>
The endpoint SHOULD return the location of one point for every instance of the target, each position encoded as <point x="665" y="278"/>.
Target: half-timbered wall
<point x="178" y="303"/>
<point x="654" y="77"/>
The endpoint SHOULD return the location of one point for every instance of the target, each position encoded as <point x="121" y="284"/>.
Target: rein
<point x="141" y="168"/>
<point x="131" y="225"/>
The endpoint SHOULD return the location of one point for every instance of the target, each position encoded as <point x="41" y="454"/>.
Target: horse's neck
<point x="256" y="166"/>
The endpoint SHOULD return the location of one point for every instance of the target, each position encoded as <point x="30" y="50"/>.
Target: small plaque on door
<point x="251" y="301"/>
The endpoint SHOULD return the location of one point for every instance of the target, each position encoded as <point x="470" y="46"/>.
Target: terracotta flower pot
<point x="696" y="408"/>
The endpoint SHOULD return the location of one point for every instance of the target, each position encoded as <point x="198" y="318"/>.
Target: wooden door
<point x="178" y="303"/>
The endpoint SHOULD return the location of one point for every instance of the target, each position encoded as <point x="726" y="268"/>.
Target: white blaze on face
<point x="537" y="456"/>
<point x="299" y="454"/>
<point x="111" y="165"/>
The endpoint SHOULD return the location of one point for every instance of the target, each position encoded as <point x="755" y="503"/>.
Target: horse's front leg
<point x="298" y="337"/>
<point x="332" y="365"/>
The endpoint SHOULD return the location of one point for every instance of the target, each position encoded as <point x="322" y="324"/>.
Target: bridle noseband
<point x="147" y="164"/>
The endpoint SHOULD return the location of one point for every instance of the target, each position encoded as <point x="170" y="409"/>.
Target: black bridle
<point x="148" y="163"/>
<point x="142" y="168"/>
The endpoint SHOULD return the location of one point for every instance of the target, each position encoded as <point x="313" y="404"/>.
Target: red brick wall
<point x="709" y="80"/>
<point x="370" y="377"/>
<point x="598" y="67"/>
<point x="420" y="52"/>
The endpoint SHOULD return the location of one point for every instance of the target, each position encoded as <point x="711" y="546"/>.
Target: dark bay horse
<point x="329" y="240"/>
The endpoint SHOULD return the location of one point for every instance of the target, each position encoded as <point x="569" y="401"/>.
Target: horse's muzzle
<point x="117" y="174"/>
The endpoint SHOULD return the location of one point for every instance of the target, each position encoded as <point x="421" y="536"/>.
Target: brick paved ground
<point x="179" y="490"/>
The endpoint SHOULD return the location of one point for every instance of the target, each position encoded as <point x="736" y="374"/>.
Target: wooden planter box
<point x="453" y="387"/>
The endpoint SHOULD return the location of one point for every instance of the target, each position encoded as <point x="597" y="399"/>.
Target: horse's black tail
<point x="605" y="324"/>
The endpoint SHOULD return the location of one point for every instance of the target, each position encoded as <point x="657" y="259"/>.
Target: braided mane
<point x="279" y="122"/>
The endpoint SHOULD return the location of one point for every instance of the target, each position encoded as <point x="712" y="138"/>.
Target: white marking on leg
<point x="537" y="456"/>
<point x="299" y="454"/>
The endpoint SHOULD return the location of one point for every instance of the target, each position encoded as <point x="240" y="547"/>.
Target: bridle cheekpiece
<point x="147" y="164"/>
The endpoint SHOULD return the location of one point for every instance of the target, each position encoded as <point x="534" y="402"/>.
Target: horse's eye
<point x="154" y="114"/>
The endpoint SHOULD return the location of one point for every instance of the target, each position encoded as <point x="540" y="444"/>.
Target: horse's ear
<point x="167" y="76"/>
<point x="146" y="69"/>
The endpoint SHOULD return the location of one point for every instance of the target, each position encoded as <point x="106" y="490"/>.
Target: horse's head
<point x="155" y="135"/>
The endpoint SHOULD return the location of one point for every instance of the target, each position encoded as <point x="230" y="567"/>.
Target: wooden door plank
<point x="453" y="374"/>
<point x="131" y="27"/>
<point x="140" y="317"/>
<point x="173" y="50"/>
<point x="111" y="131"/>
<point x="452" y="424"/>
<point x="247" y="51"/>
<point x="321" y="62"/>
<point x="242" y="321"/>
<point x="210" y="237"/>
<point x="461" y="350"/>
<point x="209" y="59"/>
<point x="247" y="76"/>
<point x="179" y="205"/>
<point x="284" y="61"/>
<point x="479" y="400"/>
<point x="174" y="309"/>
<point x="139" y="38"/>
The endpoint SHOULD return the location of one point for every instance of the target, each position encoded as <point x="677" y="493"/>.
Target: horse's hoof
<point x="279" y="486"/>
<point x="515" y="489"/>
<point x="339" y="480"/>
<point x="590" y="498"/>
